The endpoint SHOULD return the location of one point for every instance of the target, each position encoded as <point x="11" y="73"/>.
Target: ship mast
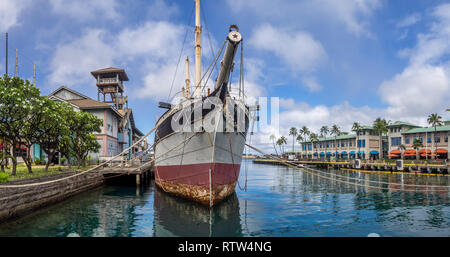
<point x="198" y="51"/>
<point x="188" y="81"/>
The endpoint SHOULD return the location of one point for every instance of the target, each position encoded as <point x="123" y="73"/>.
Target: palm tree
<point x="282" y="141"/>
<point x="293" y="132"/>
<point x="314" y="138"/>
<point x="272" y="138"/>
<point x="357" y="128"/>
<point x="434" y="120"/>
<point x="380" y="126"/>
<point x="335" y="131"/>
<point x="279" y="143"/>
<point x="300" y="140"/>
<point x="324" y="131"/>
<point x="401" y="147"/>
<point x="305" y="132"/>
<point x="416" y="145"/>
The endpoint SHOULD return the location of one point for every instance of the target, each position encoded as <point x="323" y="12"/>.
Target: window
<point x="396" y="141"/>
<point x="310" y="147"/>
<point x="437" y="138"/>
<point x="446" y="139"/>
<point x="362" y="143"/>
<point x="429" y="139"/>
<point x="407" y="140"/>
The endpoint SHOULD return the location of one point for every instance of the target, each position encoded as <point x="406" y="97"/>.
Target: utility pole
<point x="6" y="69"/>
<point x="17" y="57"/>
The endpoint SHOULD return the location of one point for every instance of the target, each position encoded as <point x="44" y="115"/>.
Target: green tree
<point x="417" y="145"/>
<point x="335" y="130"/>
<point x="54" y="129"/>
<point x="300" y="140"/>
<point x="19" y="102"/>
<point x="435" y="120"/>
<point x="357" y="128"/>
<point x="281" y="141"/>
<point x="82" y="141"/>
<point x="304" y="131"/>
<point x="324" y="131"/>
<point x="314" y="138"/>
<point x="272" y="138"/>
<point x="380" y="126"/>
<point x="293" y="132"/>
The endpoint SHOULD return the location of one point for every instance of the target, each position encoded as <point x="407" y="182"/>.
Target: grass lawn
<point x="38" y="171"/>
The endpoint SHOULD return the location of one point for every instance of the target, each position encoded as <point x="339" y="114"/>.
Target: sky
<point x="327" y="61"/>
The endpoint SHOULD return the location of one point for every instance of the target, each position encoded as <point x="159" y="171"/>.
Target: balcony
<point x="108" y="81"/>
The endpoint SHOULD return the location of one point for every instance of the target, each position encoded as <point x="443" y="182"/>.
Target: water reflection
<point x="178" y="217"/>
<point x="106" y="211"/>
<point x="279" y="202"/>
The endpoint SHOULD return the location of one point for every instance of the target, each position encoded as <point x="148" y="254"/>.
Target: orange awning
<point x="441" y="151"/>
<point x="392" y="155"/>
<point x="410" y="151"/>
<point x="409" y="154"/>
<point x="396" y="152"/>
<point x="423" y="151"/>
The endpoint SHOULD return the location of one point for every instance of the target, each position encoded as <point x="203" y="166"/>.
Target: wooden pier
<point x="141" y="170"/>
<point x="384" y="166"/>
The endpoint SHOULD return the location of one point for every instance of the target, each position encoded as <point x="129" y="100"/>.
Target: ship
<point x="199" y="141"/>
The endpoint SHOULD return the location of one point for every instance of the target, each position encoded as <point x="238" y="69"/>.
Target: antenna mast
<point x="198" y="50"/>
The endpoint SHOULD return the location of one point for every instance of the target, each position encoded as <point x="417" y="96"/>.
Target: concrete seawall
<point x="15" y="202"/>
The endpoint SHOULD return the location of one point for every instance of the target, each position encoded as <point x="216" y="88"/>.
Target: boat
<point x="199" y="141"/>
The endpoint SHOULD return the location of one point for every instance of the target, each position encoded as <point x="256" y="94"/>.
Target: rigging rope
<point x="315" y="173"/>
<point x="181" y="53"/>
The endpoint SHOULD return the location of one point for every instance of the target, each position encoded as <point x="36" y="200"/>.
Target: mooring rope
<point x="315" y="173"/>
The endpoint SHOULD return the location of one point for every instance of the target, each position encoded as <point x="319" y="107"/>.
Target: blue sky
<point x="329" y="62"/>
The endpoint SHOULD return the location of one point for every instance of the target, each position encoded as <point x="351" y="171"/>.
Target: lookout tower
<point x="110" y="82"/>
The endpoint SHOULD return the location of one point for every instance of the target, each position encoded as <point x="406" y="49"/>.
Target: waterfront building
<point x="119" y="130"/>
<point x="366" y="145"/>
<point x="435" y="144"/>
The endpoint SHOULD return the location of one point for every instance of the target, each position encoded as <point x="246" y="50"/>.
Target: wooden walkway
<point x="140" y="170"/>
<point x="419" y="167"/>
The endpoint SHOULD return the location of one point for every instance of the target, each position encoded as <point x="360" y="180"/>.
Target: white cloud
<point x="423" y="87"/>
<point x="353" y="14"/>
<point x="72" y="63"/>
<point x="409" y="20"/>
<point x="150" y="45"/>
<point x="160" y="10"/>
<point x="296" y="48"/>
<point x="417" y="91"/>
<point x="9" y="13"/>
<point x="311" y="83"/>
<point x="83" y="10"/>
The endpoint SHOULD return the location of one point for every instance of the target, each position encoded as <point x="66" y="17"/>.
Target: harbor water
<point x="277" y="201"/>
